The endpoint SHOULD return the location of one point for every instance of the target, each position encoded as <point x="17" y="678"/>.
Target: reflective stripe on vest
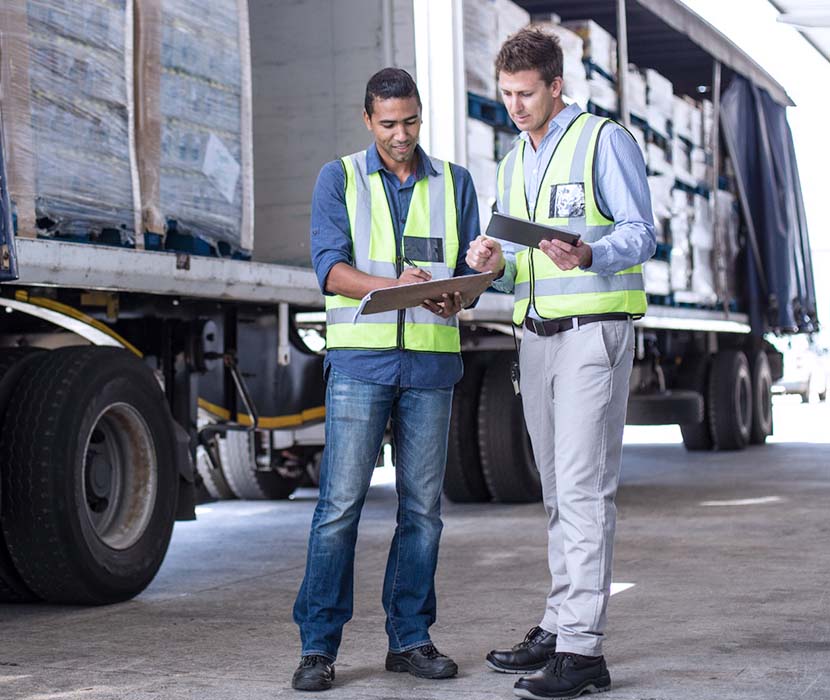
<point x="557" y="293"/>
<point x="430" y="239"/>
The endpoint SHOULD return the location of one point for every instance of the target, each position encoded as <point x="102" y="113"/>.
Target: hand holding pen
<point x="413" y="273"/>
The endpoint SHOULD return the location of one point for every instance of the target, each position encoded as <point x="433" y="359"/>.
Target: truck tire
<point x="506" y="454"/>
<point x="238" y="456"/>
<point x="730" y="400"/>
<point x="694" y="376"/>
<point x="90" y="484"/>
<point x="761" y="398"/>
<point x="14" y="362"/>
<point x="213" y="480"/>
<point x="464" y="480"/>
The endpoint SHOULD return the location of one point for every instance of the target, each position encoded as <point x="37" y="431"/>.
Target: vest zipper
<point x="401" y="312"/>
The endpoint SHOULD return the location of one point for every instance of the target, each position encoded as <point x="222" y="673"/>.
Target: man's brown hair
<point x="531" y="48"/>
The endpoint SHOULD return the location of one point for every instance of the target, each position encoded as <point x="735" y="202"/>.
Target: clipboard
<point x="406" y="296"/>
<point x="524" y="232"/>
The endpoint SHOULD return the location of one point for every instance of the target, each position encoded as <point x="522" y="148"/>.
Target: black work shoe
<point x="314" y="673"/>
<point x="424" y="662"/>
<point x="531" y="654"/>
<point x="565" y="676"/>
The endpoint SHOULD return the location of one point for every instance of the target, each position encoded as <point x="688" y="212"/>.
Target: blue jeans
<point x="356" y="416"/>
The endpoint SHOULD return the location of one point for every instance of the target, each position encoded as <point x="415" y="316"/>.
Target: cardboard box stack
<point x="194" y="130"/>
<point x="637" y="93"/>
<point x="659" y="101"/>
<point x="599" y="47"/>
<point x="599" y="51"/>
<point x="487" y="23"/>
<point x="575" y="87"/>
<point x="68" y="109"/>
<point x="482" y="165"/>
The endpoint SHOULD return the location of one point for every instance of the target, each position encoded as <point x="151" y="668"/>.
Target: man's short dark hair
<point x="387" y="84"/>
<point x="531" y="48"/>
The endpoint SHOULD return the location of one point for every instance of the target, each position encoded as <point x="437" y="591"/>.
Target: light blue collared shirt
<point x="621" y="190"/>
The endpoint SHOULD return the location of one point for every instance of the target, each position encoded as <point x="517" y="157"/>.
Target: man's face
<point x="528" y="99"/>
<point x="395" y="123"/>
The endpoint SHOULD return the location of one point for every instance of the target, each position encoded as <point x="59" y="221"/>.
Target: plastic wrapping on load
<point x="68" y="118"/>
<point x="603" y="93"/>
<point x="695" y="122"/>
<point x="483" y="172"/>
<point x="193" y="132"/>
<point x="680" y="276"/>
<point x="640" y="137"/>
<point x="636" y="86"/>
<point x="681" y="118"/>
<point x="656" y="159"/>
<point x="702" y="233"/>
<point x="707" y="116"/>
<point x="658" y="120"/>
<point x="660" y="187"/>
<point x="703" y="275"/>
<point x="480" y="47"/>
<point x="575" y="82"/>
<point x="487" y="23"/>
<point x="657" y="277"/>
<point x="599" y="47"/>
<point x="659" y="91"/>
<point x="681" y="161"/>
<point x="701" y="170"/>
<point x="481" y="140"/>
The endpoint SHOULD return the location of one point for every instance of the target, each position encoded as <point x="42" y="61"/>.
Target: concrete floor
<point x="730" y="599"/>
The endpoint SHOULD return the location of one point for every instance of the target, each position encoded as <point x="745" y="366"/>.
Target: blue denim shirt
<point x="622" y="191"/>
<point x="331" y="243"/>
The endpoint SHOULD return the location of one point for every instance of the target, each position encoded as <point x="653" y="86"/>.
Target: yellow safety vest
<point x="566" y="199"/>
<point x="430" y="239"/>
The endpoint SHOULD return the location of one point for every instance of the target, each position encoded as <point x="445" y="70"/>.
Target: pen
<point x="409" y="262"/>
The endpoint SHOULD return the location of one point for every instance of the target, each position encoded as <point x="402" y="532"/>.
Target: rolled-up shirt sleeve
<point x="331" y="238"/>
<point x="622" y="192"/>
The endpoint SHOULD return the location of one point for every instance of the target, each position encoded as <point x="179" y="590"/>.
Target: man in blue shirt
<point x="576" y="303"/>
<point x="386" y="216"/>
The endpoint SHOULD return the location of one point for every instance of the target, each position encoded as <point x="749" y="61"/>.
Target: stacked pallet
<point x="487" y="23"/>
<point x="193" y="136"/>
<point x="68" y="118"/>
<point x="85" y="165"/>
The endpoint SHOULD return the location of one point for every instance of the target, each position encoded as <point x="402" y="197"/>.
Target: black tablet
<point x="524" y="232"/>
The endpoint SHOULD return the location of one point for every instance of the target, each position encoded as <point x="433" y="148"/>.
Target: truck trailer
<point x="163" y="336"/>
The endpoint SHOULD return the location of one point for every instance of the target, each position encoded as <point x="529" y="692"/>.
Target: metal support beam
<point x="622" y="64"/>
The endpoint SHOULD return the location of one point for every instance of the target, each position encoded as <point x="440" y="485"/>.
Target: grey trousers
<point x="574" y="393"/>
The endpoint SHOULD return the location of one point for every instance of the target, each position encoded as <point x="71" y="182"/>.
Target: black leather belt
<point x="568" y="323"/>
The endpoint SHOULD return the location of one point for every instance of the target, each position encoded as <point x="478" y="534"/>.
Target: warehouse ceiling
<point x="811" y="18"/>
<point x="659" y="34"/>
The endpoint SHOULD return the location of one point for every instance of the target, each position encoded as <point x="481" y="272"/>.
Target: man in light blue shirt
<point x="577" y="304"/>
<point x="622" y="190"/>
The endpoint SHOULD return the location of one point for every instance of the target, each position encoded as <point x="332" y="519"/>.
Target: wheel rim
<point x="120" y="476"/>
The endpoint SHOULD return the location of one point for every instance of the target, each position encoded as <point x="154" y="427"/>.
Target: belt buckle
<point x="536" y="326"/>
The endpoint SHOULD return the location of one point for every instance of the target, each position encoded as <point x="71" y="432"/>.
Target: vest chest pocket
<point x="424" y="249"/>
<point x="567" y="200"/>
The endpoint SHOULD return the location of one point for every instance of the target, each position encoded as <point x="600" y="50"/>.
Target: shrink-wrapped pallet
<point x="599" y="47"/>
<point x="636" y="87"/>
<point x="68" y="118"/>
<point x="657" y="277"/>
<point x="603" y="92"/>
<point x="575" y="83"/>
<point x="194" y="138"/>
<point x="487" y="23"/>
